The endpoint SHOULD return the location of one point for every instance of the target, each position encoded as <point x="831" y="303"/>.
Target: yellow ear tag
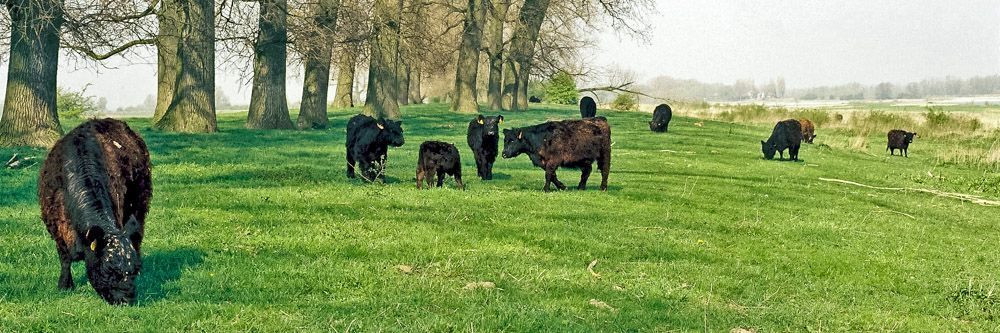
<point x="480" y="121"/>
<point x="380" y="126"/>
<point x="501" y="120"/>
<point x="93" y="246"/>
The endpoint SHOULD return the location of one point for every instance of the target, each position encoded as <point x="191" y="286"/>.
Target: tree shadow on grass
<point x="162" y="267"/>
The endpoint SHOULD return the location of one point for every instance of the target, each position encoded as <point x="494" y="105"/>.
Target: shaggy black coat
<point x="661" y="118"/>
<point x="588" y="108"/>
<point x="899" y="139"/>
<point x="94" y="191"/>
<point x="534" y="99"/>
<point x="368" y="141"/>
<point x="438" y="158"/>
<point x="787" y="134"/>
<point x="483" y="136"/>
<point x="567" y="143"/>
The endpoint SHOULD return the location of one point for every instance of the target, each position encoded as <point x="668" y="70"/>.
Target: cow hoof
<point x="66" y="285"/>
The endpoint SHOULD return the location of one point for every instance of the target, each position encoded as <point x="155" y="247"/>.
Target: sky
<point x="808" y="42"/>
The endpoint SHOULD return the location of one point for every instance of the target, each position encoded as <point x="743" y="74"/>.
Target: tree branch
<point x="94" y="55"/>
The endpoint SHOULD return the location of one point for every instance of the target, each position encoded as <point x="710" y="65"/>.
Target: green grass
<point x="262" y="231"/>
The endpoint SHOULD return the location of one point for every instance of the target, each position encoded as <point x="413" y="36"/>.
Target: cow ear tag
<point x="520" y="135"/>
<point x="501" y="120"/>
<point x="93" y="246"/>
<point x="380" y="126"/>
<point x="480" y="121"/>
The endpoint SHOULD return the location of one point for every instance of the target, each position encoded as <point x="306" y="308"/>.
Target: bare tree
<point x="384" y="70"/>
<point x="186" y="67"/>
<point x="268" y="102"/>
<point x="467" y="68"/>
<point x="495" y="50"/>
<point x="315" y="43"/>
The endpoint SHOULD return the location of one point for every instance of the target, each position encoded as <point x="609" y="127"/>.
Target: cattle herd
<point x="95" y="186"/>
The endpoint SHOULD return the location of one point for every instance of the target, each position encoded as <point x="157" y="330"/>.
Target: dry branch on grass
<point x="590" y="268"/>
<point x="960" y="196"/>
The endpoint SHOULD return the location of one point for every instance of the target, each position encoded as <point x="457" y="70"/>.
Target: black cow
<point x="368" y="141"/>
<point x="567" y="143"/>
<point x="588" y="108"/>
<point x="94" y="191"/>
<point x="661" y="118"/>
<point x="482" y="137"/>
<point x="438" y="158"/>
<point x="787" y="134"/>
<point x="534" y="99"/>
<point x="899" y="139"/>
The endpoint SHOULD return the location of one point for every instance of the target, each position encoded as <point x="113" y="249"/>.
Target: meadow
<point x="262" y="231"/>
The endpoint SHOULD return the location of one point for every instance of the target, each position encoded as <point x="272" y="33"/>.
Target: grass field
<point x="262" y="231"/>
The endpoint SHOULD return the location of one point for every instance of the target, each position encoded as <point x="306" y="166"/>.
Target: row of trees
<point x="400" y="43"/>
<point x="948" y="86"/>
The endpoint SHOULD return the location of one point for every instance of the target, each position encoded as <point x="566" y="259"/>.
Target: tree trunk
<point x="186" y="67"/>
<point x="404" y="85"/>
<point x="495" y="27"/>
<point x="346" y="61"/>
<point x="414" y="91"/>
<point x="467" y="67"/>
<point x="384" y="69"/>
<point x="29" y="115"/>
<point x="312" y="112"/>
<point x="268" y="102"/>
<point x="522" y="50"/>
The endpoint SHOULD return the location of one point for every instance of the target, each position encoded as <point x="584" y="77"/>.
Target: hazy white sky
<point x="809" y="42"/>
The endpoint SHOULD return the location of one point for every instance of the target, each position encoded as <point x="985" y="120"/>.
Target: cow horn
<point x="520" y="135"/>
<point x="380" y="126"/>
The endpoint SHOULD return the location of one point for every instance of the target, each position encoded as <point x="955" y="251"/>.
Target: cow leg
<point x="793" y="153"/>
<point x="555" y="180"/>
<point x="420" y="177"/>
<point x="905" y="153"/>
<point x="604" y="164"/>
<point x="458" y="179"/>
<point x="584" y="175"/>
<point x="489" y="171"/>
<point x="65" y="274"/>
<point x="548" y="179"/>
<point x="480" y="166"/>
<point x="440" y="181"/>
<point x="350" y="165"/>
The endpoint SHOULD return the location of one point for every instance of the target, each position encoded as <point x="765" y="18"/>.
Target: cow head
<point x="514" y="143"/>
<point x="391" y="132"/>
<point x="657" y="125"/>
<point x="490" y="125"/>
<point x="908" y="136"/>
<point x="113" y="262"/>
<point x="768" y="149"/>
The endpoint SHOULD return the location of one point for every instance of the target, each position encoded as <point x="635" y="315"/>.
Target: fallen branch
<point x="960" y="196"/>
<point x="590" y="268"/>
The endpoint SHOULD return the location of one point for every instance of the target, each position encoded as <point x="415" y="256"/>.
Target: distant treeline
<point x="673" y="88"/>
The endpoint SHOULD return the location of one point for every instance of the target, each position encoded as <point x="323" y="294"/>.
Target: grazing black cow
<point x="534" y="99"/>
<point x="368" y="141"/>
<point x="588" y="108"/>
<point x="899" y="139"/>
<point x="787" y="134"/>
<point x="438" y="158"/>
<point x="482" y="137"/>
<point x="661" y="118"/>
<point x="94" y="191"/>
<point x="567" y="143"/>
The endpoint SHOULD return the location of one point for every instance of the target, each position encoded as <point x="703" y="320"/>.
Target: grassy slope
<point x="261" y="230"/>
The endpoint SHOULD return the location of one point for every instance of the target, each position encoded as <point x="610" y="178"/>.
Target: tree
<point x="467" y="67"/>
<point x="561" y="89"/>
<point x="346" y="61"/>
<point x="185" y="67"/>
<point x="625" y="102"/>
<point x="29" y="115"/>
<point x="317" y="53"/>
<point x="495" y="27"/>
<point x="884" y="90"/>
<point x="384" y="69"/>
<point x="515" y="88"/>
<point x="268" y="102"/>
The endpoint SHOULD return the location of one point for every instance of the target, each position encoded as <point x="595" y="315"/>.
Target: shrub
<point x="75" y="105"/>
<point x="561" y="89"/>
<point x="625" y="102"/>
